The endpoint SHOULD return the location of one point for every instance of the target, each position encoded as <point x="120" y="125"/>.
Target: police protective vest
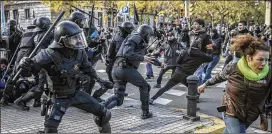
<point x="138" y="44"/>
<point x="65" y="72"/>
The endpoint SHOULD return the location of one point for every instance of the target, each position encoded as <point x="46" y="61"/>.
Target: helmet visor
<point x="77" y="41"/>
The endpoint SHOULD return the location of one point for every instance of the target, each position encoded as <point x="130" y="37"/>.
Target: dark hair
<point x="199" y="21"/>
<point x="248" y="45"/>
<point x="244" y="22"/>
<point x="3" y="61"/>
<point x="214" y="31"/>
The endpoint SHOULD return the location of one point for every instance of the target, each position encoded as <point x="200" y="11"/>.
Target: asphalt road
<point x="176" y="97"/>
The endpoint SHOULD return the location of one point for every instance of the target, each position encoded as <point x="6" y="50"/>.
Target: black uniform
<point x="14" y="36"/>
<point x="128" y="59"/>
<point x="43" y="23"/>
<point x="26" y="46"/>
<point x="112" y="51"/>
<point x="79" y="19"/>
<point x="67" y="65"/>
<point x="125" y="29"/>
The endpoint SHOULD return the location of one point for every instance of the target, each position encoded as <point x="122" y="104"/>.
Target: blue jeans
<point x="199" y="72"/>
<point x="208" y="69"/>
<point x="149" y="70"/>
<point x="233" y="125"/>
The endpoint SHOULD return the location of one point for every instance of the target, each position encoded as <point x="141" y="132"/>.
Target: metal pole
<point x="186" y="8"/>
<point x="268" y="14"/>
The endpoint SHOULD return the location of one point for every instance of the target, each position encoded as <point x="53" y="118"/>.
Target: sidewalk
<point x="125" y="119"/>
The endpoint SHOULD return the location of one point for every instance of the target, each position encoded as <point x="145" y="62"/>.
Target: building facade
<point x="25" y="11"/>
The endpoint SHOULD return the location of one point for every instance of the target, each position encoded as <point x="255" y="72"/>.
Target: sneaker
<point x="151" y="101"/>
<point x="157" y="86"/>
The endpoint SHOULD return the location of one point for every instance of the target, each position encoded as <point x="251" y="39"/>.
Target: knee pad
<point x="120" y="99"/>
<point x="119" y="94"/>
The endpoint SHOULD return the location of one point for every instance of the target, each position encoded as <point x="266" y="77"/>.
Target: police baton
<point x="41" y="41"/>
<point x="11" y="61"/>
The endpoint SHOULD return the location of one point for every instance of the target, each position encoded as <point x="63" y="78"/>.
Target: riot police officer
<point x="65" y="60"/>
<point x="42" y="25"/>
<point x="125" y="29"/>
<point x="26" y="47"/>
<point x="128" y="59"/>
<point x="80" y="19"/>
<point x="14" y="35"/>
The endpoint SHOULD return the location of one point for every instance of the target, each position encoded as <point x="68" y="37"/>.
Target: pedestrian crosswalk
<point x="168" y="96"/>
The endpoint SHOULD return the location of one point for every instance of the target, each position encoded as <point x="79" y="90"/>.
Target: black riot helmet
<point x="78" y="17"/>
<point x="42" y="24"/>
<point x="145" y="32"/>
<point x="126" y="28"/>
<point x="68" y="34"/>
<point x="12" y="22"/>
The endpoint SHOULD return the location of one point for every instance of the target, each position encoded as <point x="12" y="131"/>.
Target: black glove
<point x="25" y="63"/>
<point x="105" y="84"/>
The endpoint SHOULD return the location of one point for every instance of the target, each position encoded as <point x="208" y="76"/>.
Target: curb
<point x="217" y="127"/>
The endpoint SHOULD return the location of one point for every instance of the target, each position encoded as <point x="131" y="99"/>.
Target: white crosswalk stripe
<point x="175" y="92"/>
<point x="162" y="101"/>
<point x="172" y="92"/>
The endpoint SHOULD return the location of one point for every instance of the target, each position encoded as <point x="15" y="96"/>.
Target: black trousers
<point x="228" y="59"/>
<point x="108" y="71"/>
<point x="177" y="77"/>
<point x="122" y="76"/>
<point x="58" y="107"/>
<point x="163" y="71"/>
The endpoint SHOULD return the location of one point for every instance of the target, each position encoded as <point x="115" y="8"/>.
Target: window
<point x="27" y="14"/>
<point x="33" y="14"/>
<point x="6" y="15"/>
<point x="15" y="14"/>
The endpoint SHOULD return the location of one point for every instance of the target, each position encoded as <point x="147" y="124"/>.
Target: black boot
<point x="4" y="101"/>
<point x="37" y="103"/>
<point x="21" y="104"/>
<point x="146" y="115"/>
<point x="49" y="130"/>
<point x="24" y="99"/>
<point x="98" y="93"/>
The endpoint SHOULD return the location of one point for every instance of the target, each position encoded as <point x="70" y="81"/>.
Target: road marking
<point x="181" y="85"/>
<point x="214" y="72"/>
<point x="218" y="69"/>
<point x="162" y="101"/>
<point x="222" y="85"/>
<point x="175" y="92"/>
<point x="101" y="71"/>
